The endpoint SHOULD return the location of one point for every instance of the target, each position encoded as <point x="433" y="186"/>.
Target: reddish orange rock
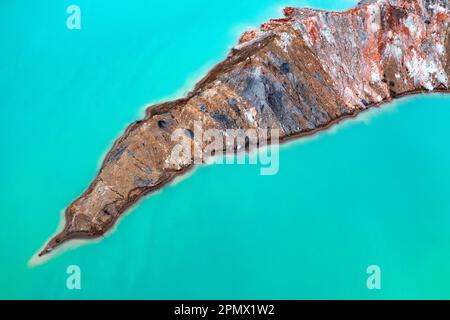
<point x="247" y="36"/>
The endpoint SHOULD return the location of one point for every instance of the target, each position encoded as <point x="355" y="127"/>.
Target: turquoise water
<point x="373" y="191"/>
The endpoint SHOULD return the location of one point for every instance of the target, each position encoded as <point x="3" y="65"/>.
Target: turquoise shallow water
<point x="372" y="191"/>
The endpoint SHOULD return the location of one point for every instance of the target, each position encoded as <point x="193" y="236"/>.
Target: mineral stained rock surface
<point x="298" y="74"/>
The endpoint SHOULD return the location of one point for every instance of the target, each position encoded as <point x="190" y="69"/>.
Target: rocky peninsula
<point x="298" y="75"/>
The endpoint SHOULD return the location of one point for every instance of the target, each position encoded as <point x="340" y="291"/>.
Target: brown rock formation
<point x="298" y="74"/>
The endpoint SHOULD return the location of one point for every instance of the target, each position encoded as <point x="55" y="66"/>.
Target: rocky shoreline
<point x="300" y="75"/>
